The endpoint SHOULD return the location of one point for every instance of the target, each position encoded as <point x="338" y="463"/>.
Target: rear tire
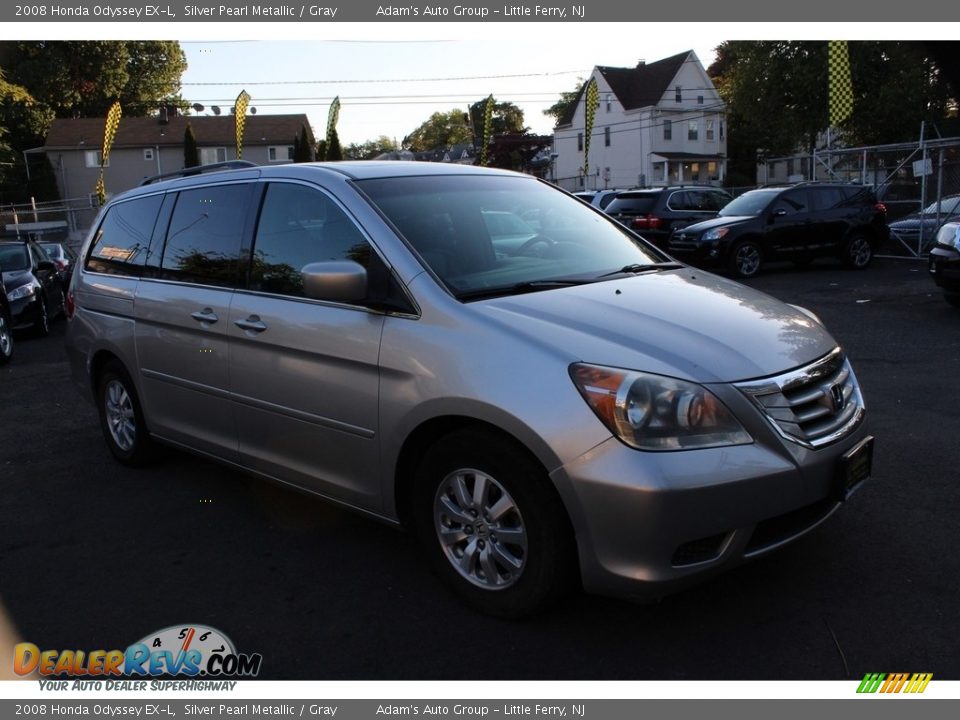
<point x="121" y="417"/>
<point x="6" y="339"/>
<point x="858" y="252"/>
<point x="745" y="259"/>
<point x="492" y="524"/>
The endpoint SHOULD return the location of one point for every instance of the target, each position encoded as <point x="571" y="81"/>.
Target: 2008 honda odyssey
<point x="561" y="406"/>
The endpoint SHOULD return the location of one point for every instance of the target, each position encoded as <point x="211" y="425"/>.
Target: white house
<point x="660" y="123"/>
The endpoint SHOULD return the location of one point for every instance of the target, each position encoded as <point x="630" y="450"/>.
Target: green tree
<point x="302" y="147"/>
<point x="334" y="151"/>
<point x="506" y="118"/>
<point x="191" y="153"/>
<point x="560" y="107"/>
<point x="776" y="95"/>
<point x="369" y="149"/>
<point x="321" y="150"/>
<point x="440" y="130"/>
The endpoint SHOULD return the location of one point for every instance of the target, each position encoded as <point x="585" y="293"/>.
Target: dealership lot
<point x="94" y="555"/>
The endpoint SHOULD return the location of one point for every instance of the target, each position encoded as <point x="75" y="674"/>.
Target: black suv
<point x="33" y="287"/>
<point x="655" y="212"/>
<point x="795" y="222"/>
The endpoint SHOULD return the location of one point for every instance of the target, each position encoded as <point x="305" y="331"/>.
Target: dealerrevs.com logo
<point x="895" y="683"/>
<point x="179" y="650"/>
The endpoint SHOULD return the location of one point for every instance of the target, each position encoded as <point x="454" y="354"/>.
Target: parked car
<point x="582" y="410"/>
<point x="6" y="327"/>
<point x="794" y="222"/>
<point x="599" y="198"/>
<point x="33" y="286"/>
<point x="63" y="257"/>
<point x="928" y="221"/>
<point x="945" y="262"/>
<point x="656" y="212"/>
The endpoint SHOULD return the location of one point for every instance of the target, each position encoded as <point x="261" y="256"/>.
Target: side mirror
<point x="336" y="280"/>
<point x="776" y="214"/>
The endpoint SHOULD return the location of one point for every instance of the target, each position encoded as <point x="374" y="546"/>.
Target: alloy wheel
<point x="120" y="415"/>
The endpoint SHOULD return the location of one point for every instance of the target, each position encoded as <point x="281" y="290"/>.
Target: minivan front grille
<point x="815" y="405"/>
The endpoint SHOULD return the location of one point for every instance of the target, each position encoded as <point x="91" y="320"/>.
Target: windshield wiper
<point x="520" y="288"/>
<point x="636" y="268"/>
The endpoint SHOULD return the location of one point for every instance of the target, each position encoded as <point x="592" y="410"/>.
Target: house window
<point x="609" y="98"/>
<point x="693" y="130"/>
<point x="708" y="127"/>
<point x="667" y="130"/>
<point x="93" y="159"/>
<point x="659" y="172"/>
<point x="280" y="153"/>
<point x="699" y="99"/>
<point x="148" y="153"/>
<point x="678" y="94"/>
<point x="580" y="142"/>
<point x="606" y="136"/>
<point x="713" y="174"/>
<point x="208" y="156"/>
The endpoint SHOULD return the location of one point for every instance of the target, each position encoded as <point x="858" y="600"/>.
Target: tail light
<point x="880" y="208"/>
<point x="70" y="306"/>
<point x="647" y="222"/>
<point x="61" y="264"/>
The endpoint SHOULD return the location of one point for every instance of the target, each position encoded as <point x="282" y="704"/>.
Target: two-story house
<point x="146" y="146"/>
<point x="659" y="123"/>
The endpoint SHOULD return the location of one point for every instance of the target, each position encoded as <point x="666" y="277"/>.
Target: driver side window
<point x="793" y="203"/>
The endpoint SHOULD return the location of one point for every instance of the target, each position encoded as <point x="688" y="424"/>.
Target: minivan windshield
<point x="484" y="235"/>
<point x="750" y="203"/>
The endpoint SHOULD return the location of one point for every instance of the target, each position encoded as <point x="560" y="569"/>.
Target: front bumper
<point x="649" y="524"/>
<point x="945" y="268"/>
<point x="24" y="312"/>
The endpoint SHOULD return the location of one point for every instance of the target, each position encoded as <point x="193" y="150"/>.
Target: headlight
<point x="652" y="412"/>
<point x="715" y="234"/>
<point x="949" y="235"/>
<point x="22" y="292"/>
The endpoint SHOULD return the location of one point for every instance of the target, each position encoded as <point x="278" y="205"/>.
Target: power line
<point x="381" y="80"/>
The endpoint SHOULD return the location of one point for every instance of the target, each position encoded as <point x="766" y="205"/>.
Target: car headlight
<point x="23" y="291"/>
<point x="653" y="412"/>
<point x="949" y="235"/>
<point x="715" y="234"/>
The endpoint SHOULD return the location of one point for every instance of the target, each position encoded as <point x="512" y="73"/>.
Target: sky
<point x="389" y="86"/>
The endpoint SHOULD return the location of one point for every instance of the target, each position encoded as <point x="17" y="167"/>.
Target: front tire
<point x="493" y="525"/>
<point x="121" y="417"/>
<point x="745" y="259"/>
<point x="6" y="339"/>
<point x="857" y="253"/>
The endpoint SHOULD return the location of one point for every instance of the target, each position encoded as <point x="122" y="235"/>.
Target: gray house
<point x="146" y="146"/>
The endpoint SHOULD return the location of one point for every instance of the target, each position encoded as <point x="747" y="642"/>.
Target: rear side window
<point x="298" y="226"/>
<point x="792" y="203"/>
<point x="828" y="198"/>
<point x="121" y="243"/>
<point x="205" y="234"/>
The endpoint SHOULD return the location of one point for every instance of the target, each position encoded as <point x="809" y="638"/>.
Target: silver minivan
<point x="557" y="404"/>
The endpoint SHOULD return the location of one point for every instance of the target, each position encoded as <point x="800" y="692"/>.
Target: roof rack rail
<point x="199" y="170"/>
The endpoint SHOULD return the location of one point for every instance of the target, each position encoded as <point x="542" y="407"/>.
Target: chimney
<point x="164" y="115"/>
<point x="641" y="62"/>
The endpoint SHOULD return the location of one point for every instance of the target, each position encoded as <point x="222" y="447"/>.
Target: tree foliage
<point x="191" y="153"/>
<point x="369" y="149"/>
<point x="302" y="147"/>
<point x="333" y="150"/>
<point x="506" y="118"/>
<point x="560" y="107"/>
<point x="83" y="78"/>
<point x="776" y="95"/>
<point x="440" y="130"/>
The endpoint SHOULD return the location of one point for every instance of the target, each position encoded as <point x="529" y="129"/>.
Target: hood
<point x="913" y="222"/>
<point x="703" y="226"/>
<point x="683" y="323"/>
<point x="13" y="279"/>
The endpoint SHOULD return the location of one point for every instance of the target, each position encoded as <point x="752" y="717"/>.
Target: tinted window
<point x="13" y="257"/>
<point x="298" y="226"/>
<point x="749" y="204"/>
<point x="633" y="203"/>
<point x="203" y="241"/>
<point x="791" y="203"/>
<point x="123" y="239"/>
<point x="827" y="198"/>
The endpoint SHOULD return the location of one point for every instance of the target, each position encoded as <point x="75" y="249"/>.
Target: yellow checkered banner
<point x="840" y="85"/>
<point x="332" y="118"/>
<point x="487" y="129"/>
<point x="240" y="118"/>
<point x="109" y="133"/>
<point x="592" y="100"/>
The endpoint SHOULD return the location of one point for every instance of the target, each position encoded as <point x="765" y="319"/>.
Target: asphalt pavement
<point x="96" y="556"/>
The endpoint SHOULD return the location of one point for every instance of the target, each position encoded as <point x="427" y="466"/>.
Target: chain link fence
<point x="55" y="221"/>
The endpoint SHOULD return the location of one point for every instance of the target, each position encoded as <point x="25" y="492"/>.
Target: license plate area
<point x="854" y="467"/>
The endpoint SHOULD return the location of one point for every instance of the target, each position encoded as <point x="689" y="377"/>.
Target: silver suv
<point x="559" y="405"/>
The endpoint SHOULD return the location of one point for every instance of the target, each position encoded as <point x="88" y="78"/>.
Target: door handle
<point x="206" y="315"/>
<point x="252" y="323"/>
